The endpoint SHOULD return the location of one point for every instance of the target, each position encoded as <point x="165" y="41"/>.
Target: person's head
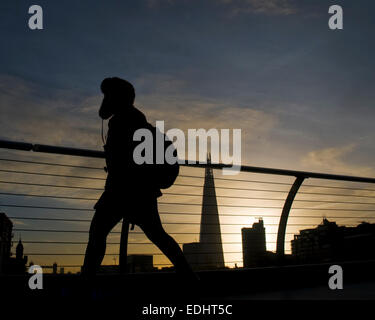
<point x="118" y="94"/>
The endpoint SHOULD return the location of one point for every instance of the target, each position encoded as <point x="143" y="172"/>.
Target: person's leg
<point x="101" y="224"/>
<point x="154" y="230"/>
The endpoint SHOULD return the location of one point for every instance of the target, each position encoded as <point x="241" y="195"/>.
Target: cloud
<point x="268" y="7"/>
<point x="335" y="159"/>
<point x="157" y="3"/>
<point x="190" y="112"/>
<point x="34" y="114"/>
<point x="163" y="97"/>
<point x="29" y="113"/>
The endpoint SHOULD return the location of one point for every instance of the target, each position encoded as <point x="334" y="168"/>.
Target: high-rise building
<point x="208" y="252"/>
<point x="254" y="245"/>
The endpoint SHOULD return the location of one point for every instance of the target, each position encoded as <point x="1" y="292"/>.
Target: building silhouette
<point x="254" y="250"/>
<point x="140" y="263"/>
<point x="330" y="242"/>
<point x="134" y="263"/>
<point x="19" y="250"/>
<point x="208" y="252"/>
<point x="6" y="227"/>
<point x="17" y="265"/>
<point x="9" y="264"/>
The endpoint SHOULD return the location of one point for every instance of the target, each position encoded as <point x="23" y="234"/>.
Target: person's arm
<point x="118" y="146"/>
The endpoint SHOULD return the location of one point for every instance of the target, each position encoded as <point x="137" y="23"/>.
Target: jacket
<point x="124" y="175"/>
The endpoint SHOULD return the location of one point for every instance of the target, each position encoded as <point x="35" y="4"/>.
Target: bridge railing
<point x="49" y="192"/>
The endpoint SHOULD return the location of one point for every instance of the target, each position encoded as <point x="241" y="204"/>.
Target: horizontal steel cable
<point x="115" y="254"/>
<point x="132" y="232"/>
<point x="188" y="204"/>
<point x="51" y="164"/>
<point x="155" y="264"/>
<point x="189" y="185"/>
<point x="188" y="223"/>
<point x="118" y="243"/>
<point x="182" y="194"/>
<point x="50" y="174"/>
<point x="216" y="178"/>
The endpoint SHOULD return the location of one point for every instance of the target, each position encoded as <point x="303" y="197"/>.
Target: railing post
<point x="124" y="245"/>
<point x="280" y="248"/>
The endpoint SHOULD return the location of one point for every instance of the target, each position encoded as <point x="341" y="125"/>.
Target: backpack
<point x="164" y="174"/>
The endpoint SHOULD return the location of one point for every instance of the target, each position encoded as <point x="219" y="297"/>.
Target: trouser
<point x="106" y="217"/>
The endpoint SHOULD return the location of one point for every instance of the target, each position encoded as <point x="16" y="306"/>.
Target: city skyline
<point x="253" y="248"/>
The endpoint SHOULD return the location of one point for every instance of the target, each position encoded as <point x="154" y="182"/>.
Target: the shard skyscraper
<point x="208" y="252"/>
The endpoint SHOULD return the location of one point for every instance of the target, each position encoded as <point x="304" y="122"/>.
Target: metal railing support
<point x="16" y="145"/>
<point x="100" y="154"/>
<point x="300" y="177"/>
<point x="280" y="246"/>
<point x="124" y="245"/>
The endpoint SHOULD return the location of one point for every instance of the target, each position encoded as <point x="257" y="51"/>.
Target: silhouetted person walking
<point x="129" y="191"/>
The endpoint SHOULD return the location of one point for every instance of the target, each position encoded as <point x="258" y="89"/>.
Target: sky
<point x="302" y="94"/>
